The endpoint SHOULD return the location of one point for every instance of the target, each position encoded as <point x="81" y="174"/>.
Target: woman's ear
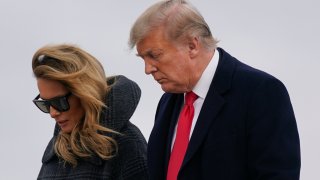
<point x="194" y="47"/>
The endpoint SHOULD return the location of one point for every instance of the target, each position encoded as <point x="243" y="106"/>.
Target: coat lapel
<point x="213" y="103"/>
<point x="161" y="135"/>
<point x="210" y="109"/>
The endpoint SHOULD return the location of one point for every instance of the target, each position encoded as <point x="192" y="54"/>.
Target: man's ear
<point x="194" y="47"/>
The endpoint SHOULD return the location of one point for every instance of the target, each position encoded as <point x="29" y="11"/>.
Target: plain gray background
<point x="278" y="36"/>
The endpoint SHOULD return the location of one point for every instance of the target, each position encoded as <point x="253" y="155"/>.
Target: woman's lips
<point x="62" y="123"/>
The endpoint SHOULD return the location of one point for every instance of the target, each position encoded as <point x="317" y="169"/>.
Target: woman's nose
<point x="53" y="112"/>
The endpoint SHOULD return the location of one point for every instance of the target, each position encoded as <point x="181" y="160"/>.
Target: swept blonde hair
<point x="83" y="75"/>
<point x="181" y="22"/>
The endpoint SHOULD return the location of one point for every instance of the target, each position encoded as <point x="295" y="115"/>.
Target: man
<point x="240" y="123"/>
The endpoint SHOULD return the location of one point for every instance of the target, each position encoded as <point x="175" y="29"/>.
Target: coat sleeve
<point x="273" y="140"/>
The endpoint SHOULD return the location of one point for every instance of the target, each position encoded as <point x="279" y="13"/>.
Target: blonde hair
<point x="83" y="75"/>
<point x="181" y="22"/>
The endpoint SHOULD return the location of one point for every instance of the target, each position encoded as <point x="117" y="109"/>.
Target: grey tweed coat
<point x="129" y="163"/>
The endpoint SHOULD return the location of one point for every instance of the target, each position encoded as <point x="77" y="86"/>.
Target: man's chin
<point x="165" y="88"/>
<point x="170" y="89"/>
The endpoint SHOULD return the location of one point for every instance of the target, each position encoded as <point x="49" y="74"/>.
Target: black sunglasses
<point x="60" y="103"/>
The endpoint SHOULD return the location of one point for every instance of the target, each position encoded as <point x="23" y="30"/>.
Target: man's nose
<point x="149" y="67"/>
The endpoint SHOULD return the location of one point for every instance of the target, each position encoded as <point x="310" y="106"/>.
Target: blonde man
<point x="236" y="122"/>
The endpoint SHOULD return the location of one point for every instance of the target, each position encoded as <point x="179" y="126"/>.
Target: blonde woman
<point x="93" y="138"/>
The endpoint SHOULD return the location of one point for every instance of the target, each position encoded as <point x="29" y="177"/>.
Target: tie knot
<point x="190" y="98"/>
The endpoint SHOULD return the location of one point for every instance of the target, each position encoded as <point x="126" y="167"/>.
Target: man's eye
<point x="154" y="56"/>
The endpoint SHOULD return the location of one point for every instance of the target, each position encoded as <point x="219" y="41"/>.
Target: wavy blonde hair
<point x="83" y="75"/>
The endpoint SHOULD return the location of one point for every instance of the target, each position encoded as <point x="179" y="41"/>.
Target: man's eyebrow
<point x="149" y="51"/>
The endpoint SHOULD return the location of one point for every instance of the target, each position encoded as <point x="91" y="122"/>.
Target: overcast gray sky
<point x="280" y="37"/>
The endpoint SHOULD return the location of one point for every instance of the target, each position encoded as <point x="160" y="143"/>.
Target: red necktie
<point x="182" y="137"/>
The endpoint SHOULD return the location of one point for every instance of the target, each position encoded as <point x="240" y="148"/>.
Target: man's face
<point x="168" y="63"/>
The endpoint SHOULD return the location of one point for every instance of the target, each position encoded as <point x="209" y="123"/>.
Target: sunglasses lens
<point x="60" y="104"/>
<point x="44" y="107"/>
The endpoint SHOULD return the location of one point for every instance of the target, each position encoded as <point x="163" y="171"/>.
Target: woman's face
<point x="67" y="120"/>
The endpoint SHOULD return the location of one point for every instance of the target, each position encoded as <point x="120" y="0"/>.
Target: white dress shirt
<point x="201" y="89"/>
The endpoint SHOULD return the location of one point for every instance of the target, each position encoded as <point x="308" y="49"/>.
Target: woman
<point x="93" y="138"/>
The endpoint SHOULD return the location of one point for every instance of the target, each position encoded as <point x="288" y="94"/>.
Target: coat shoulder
<point x="131" y="159"/>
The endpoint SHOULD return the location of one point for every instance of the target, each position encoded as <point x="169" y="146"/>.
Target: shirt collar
<point x="203" y="85"/>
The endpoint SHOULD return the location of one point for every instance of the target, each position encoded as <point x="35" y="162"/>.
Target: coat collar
<point x="122" y="101"/>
